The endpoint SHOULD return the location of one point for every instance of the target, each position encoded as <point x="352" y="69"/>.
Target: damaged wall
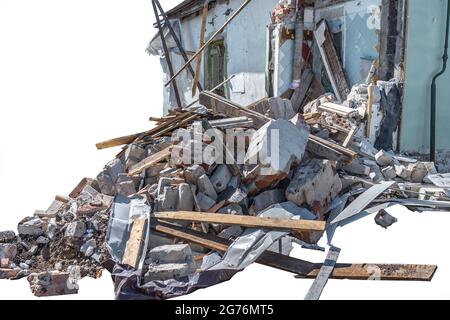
<point x="245" y="53"/>
<point x="425" y="46"/>
<point x="357" y="24"/>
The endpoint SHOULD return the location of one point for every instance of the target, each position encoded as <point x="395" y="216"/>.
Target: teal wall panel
<point x="425" y="47"/>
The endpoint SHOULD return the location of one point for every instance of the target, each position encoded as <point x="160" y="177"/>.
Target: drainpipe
<point x="433" y="90"/>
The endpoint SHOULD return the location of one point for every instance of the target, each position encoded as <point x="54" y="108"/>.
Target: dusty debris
<point x="216" y="186"/>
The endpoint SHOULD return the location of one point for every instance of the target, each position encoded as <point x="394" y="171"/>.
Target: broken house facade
<point x="274" y="48"/>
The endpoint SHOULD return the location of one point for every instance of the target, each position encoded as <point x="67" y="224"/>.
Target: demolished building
<point x="288" y="131"/>
<point x="280" y="48"/>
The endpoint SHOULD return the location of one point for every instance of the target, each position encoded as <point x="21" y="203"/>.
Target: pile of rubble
<point x="168" y="216"/>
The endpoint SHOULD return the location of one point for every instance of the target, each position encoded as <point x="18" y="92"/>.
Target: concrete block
<point x="168" y="201"/>
<point x="75" y="229"/>
<point x="221" y="177"/>
<point x="5" y="263"/>
<point x="52" y="228"/>
<point x="402" y="172"/>
<point x="114" y="168"/>
<point x="185" y="198"/>
<point x="177" y="253"/>
<point x="205" y="186"/>
<point x="268" y="198"/>
<point x="7" y="236"/>
<point x="33" y="227"/>
<point x="420" y="170"/>
<point x="204" y="202"/>
<point x="169" y="271"/>
<point x="125" y="185"/>
<point x="194" y="172"/>
<point x="384" y="159"/>
<point x="357" y="168"/>
<point x="134" y="154"/>
<point x="389" y="173"/>
<point x="9" y="273"/>
<point x="106" y="184"/>
<point x="42" y="240"/>
<point x="55" y="208"/>
<point x="53" y="283"/>
<point x="8" y="251"/>
<point x="274" y="148"/>
<point x="316" y="185"/>
<point x="155" y="170"/>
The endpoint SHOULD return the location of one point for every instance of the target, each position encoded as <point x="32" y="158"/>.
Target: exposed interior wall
<point x="245" y="40"/>
<point x="357" y="24"/>
<point x="425" y="47"/>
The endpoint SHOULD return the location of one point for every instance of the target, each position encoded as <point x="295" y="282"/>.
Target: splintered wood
<point x="134" y="244"/>
<point x="244" y="221"/>
<point x="161" y="129"/>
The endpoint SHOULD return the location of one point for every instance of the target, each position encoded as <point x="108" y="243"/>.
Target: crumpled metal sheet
<point x="124" y="211"/>
<point x="215" y="269"/>
<point x="247" y="248"/>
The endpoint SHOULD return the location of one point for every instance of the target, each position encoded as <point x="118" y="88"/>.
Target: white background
<point x="73" y="73"/>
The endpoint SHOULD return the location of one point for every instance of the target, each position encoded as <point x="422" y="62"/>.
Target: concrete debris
<point x="7" y="236"/>
<point x="205" y="186"/>
<point x="52" y="283"/>
<point x="384" y="159"/>
<point x="8" y="251"/>
<point x="32" y="227"/>
<point x="273" y="148"/>
<point x="288" y="176"/>
<point x="389" y="173"/>
<point x="169" y="262"/>
<point x="316" y="185"/>
<point x="75" y="229"/>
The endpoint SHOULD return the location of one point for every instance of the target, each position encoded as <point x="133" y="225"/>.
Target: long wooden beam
<point x="305" y="269"/>
<point x="244" y="221"/>
<point x="132" y="137"/>
<point x="211" y="39"/>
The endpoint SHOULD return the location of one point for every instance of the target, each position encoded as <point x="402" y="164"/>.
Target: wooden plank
<point x="350" y="136"/>
<point x="133" y="137"/>
<point x="305" y="269"/>
<point x="150" y="161"/>
<point x="369" y="110"/>
<point x="202" y="42"/>
<point x="244" y="221"/>
<point x="175" y="126"/>
<point x="325" y="272"/>
<point x="134" y="244"/>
